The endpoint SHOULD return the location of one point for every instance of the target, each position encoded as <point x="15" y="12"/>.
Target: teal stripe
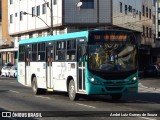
<point x="57" y="37"/>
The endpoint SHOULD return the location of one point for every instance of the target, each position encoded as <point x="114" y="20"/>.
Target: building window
<point x="150" y="13"/>
<point x="154" y="3"/>
<point x="87" y="4"/>
<point x="39" y="34"/>
<point x="30" y="35"/>
<point x="19" y="37"/>
<point x="121" y="7"/>
<point x="11" y="2"/>
<point x="54" y="2"/>
<point x="33" y="11"/>
<point x="11" y="18"/>
<point x="158" y="10"/>
<point x="21" y="16"/>
<point x="154" y="19"/>
<point x="134" y="11"/>
<point x="139" y="15"/>
<point x="158" y="22"/>
<point x="38" y="10"/>
<point x="146" y="31"/>
<point x="154" y="38"/>
<point x="150" y="32"/>
<point x="15" y="14"/>
<point x="130" y="8"/>
<point x="143" y="10"/>
<point x="44" y="8"/>
<point x="126" y="9"/>
<point x="146" y="11"/>
<point x="143" y="31"/>
<point x="158" y="34"/>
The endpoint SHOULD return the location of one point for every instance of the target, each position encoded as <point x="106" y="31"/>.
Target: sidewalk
<point x="150" y="82"/>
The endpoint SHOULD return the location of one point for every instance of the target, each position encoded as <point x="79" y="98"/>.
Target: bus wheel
<point x="72" y="92"/>
<point x="36" y="90"/>
<point x="116" y="96"/>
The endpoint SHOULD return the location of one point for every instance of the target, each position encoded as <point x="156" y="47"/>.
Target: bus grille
<point x="113" y="83"/>
<point x="114" y="88"/>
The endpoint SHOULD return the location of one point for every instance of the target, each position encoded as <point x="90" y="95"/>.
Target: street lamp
<point x="25" y="13"/>
<point x="51" y="11"/>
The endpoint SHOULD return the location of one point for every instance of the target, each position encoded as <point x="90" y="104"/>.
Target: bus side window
<point x="61" y="50"/>
<point x="22" y="53"/>
<point x="82" y="51"/>
<point x="34" y="52"/>
<point x="71" y="50"/>
<point x="41" y="51"/>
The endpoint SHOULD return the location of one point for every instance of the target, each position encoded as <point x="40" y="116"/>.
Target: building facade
<point x="156" y="49"/>
<point x="7" y="50"/>
<point x="32" y="18"/>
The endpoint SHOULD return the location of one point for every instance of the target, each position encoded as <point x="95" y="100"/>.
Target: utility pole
<point x="51" y="10"/>
<point x="51" y="14"/>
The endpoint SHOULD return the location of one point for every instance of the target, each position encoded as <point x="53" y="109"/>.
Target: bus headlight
<point x="134" y="78"/>
<point x="94" y="81"/>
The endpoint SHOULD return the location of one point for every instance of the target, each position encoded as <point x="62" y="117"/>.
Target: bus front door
<point x="28" y="68"/>
<point x="81" y="67"/>
<point x="49" y="61"/>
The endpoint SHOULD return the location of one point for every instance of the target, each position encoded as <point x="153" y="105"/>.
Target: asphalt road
<point x="18" y="98"/>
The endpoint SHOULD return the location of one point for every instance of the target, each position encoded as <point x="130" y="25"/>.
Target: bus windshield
<point x="112" y="56"/>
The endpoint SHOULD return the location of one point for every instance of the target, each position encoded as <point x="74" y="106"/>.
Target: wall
<point x="73" y="14"/>
<point x="29" y="23"/>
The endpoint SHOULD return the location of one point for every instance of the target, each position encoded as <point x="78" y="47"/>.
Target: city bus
<point x="93" y="62"/>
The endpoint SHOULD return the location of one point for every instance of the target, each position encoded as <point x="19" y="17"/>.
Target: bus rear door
<point x="49" y="60"/>
<point x="27" y="65"/>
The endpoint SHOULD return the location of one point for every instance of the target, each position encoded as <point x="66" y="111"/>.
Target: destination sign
<point x="110" y="37"/>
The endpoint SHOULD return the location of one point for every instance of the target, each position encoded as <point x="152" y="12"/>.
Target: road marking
<point x="143" y="88"/>
<point x="85" y="105"/>
<point x="14" y="91"/>
<point x="43" y="97"/>
<point x="149" y="90"/>
<point x="12" y="82"/>
<point x="140" y="85"/>
<point x="12" y="118"/>
<point x="147" y="118"/>
<point x="143" y="101"/>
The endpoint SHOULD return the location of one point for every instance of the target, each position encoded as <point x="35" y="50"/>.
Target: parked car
<point x="13" y="71"/>
<point x="5" y="71"/>
<point x="8" y="64"/>
<point x="152" y="71"/>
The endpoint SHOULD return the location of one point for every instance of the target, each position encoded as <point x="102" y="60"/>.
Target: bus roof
<point x="66" y="36"/>
<point x="56" y="37"/>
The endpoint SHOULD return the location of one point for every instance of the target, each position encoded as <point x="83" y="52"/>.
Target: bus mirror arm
<point x="85" y="53"/>
<point x="85" y="56"/>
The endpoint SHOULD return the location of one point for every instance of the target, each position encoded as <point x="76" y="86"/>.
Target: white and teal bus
<point x="101" y="62"/>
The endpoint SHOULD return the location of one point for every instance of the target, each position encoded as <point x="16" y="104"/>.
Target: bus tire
<point x="116" y="96"/>
<point x="72" y="91"/>
<point x="36" y="91"/>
